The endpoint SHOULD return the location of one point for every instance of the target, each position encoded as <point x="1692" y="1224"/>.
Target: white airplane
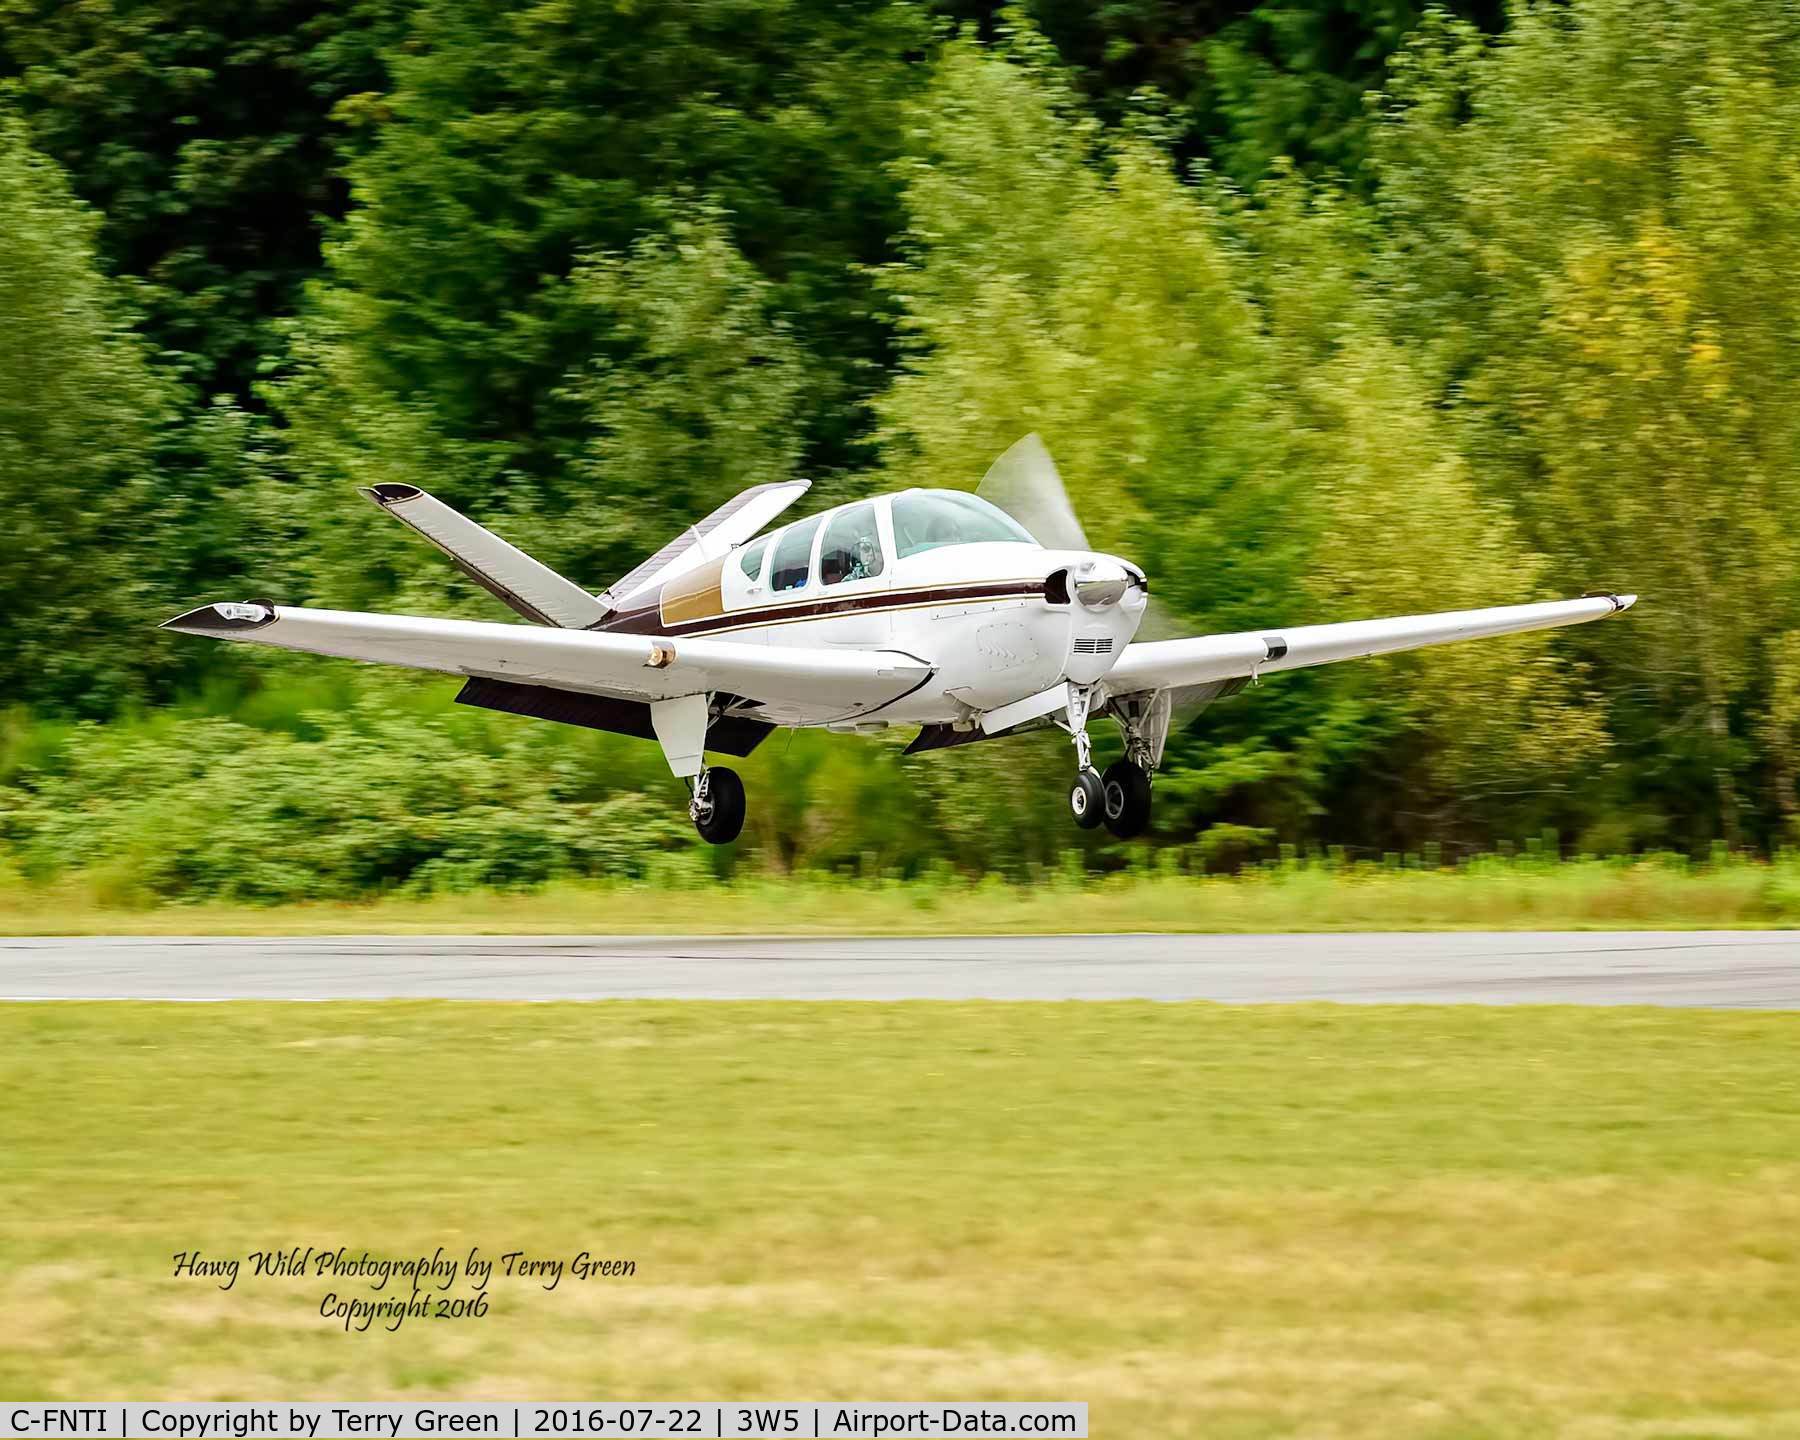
<point x="938" y="608"/>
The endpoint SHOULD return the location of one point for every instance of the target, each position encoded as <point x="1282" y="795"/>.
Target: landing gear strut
<point x="717" y="806"/>
<point x="1086" y="796"/>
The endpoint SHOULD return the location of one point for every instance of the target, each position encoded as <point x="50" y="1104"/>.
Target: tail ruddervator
<point x="537" y="592"/>
<point x="933" y="608"/>
<point x="506" y="572"/>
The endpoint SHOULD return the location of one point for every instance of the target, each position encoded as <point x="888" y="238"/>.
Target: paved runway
<point x="1718" y="968"/>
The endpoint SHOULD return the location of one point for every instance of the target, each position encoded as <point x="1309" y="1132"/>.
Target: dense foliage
<point x="1327" y="310"/>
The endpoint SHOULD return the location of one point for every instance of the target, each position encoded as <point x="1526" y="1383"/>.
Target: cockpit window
<point x="793" y="556"/>
<point x="751" y="561"/>
<point x="851" y="549"/>
<point x="927" y="519"/>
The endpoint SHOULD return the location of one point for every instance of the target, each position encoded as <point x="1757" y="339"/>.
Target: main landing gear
<point x="1119" y="799"/>
<point x="717" y="806"/>
<point x="716" y="795"/>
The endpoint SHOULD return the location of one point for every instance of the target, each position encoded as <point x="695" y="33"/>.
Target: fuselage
<point x="939" y="576"/>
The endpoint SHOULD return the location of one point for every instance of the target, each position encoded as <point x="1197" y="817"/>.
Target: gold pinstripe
<point x="937" y="604"/>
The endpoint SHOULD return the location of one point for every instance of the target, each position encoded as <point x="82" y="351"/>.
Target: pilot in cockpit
<point x="865" y="559"/>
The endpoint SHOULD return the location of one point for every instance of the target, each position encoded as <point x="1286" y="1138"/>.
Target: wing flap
<point x="634" y="667"/>
<point x="1176" y="664"/>
<point x="727" y="734"/>
<point x="506" y="572"/>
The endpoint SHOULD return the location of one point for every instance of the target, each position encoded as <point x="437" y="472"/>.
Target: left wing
<point x="830" y="681"/>
<point x="1178" y="664"/>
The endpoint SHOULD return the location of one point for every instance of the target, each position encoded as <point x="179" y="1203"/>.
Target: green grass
<point x="1527" y="893"/>
<point x="1293" y="1221"/>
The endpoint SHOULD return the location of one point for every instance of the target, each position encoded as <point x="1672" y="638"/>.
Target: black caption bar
<point x="658" y="1420"/>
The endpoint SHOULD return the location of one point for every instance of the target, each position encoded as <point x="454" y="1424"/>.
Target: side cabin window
<point x="751" y="561"/>
<point x="928" y="519"/>
<point x="851" y="549"/>
<point x="793" y="556"/>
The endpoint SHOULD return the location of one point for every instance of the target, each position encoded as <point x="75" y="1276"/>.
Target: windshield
<point x="927" y="519"/>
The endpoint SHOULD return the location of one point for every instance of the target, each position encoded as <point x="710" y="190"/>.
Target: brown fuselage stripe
<point x="647" y="619"/>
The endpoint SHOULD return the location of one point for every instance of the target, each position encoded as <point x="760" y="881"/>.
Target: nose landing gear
<point x="1087" y="801"/>
<point x="1087" y="794"/>
<point x="1120" y="798"/>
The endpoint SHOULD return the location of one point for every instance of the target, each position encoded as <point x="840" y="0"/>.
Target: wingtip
<point x="1619" y="602"/>
<point x="223" y="618"/>
<point x="389" y="493"/>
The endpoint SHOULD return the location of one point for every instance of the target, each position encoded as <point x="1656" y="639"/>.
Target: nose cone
<point x="1102" y="584"/>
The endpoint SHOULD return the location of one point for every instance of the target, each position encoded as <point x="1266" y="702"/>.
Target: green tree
<point x="1230" y="415"/>
<point x="79" y="411"/>
<point x="207" y="136"/>
<point x="526" y="136"/>
<point x="700" y="395"/>
<point x="1591" y="237"/>
<point x="1241" y="84"/>
<point x="1781" y="731"/>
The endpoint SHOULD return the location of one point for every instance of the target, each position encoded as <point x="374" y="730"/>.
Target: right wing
<point x="820" y="680"/>
<point x="1205" y="659"/>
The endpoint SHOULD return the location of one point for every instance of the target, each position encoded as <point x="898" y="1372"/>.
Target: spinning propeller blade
<point x="1024" y="483"/>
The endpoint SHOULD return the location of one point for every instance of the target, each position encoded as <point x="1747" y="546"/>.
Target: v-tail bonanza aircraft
<point x="970" y="615"/>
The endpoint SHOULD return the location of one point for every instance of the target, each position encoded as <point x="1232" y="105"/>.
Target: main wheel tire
<point x="1126" y="799"/>
<point x="1086" y="800"/>
<point x="722" y="819"/>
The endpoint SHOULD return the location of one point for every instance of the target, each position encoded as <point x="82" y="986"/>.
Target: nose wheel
<point x="1087" y="799"/>
<point x="717" y="807"/>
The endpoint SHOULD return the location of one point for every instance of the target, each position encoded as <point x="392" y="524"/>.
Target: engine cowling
<point x="1105" y="599"/>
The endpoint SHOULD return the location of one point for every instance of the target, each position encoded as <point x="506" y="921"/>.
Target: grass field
<point x="1495" y="893"/>
<point x="1296" y="1221"/>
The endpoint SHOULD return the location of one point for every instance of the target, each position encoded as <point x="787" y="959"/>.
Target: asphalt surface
<point x="1758" y="969"/>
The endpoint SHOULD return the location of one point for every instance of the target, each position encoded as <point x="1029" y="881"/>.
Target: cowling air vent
<point x="1088" y="645"/>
